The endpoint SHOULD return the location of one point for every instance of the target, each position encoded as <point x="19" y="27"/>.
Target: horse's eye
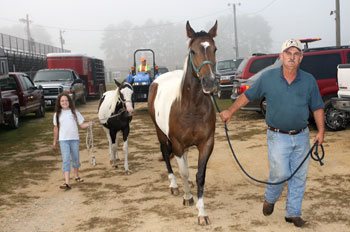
<point x="192" y="52"/>
<point x="215" y="49"/>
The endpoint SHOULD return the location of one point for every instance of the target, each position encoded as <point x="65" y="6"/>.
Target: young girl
<point x="65" y="122"/>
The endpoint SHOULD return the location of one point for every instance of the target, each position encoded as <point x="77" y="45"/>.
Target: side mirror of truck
<point x="40" y="87"/>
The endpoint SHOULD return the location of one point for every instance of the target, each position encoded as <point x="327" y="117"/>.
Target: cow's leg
<point x="125" y="149"/>
<point x="184" y="172"/>
<point x="205" y="150"/>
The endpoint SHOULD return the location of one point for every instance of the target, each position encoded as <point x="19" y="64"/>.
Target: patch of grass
<point x="19" y="172"/>
<point x="111" y="224"/>
<point x="31" y="131"/>
<point x="331" y="200"/>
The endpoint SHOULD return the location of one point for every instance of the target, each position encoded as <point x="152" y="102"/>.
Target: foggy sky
<point x="85" y="20"/>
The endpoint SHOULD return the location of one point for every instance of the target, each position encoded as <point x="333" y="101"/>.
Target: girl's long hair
<point x="58" y="108"/>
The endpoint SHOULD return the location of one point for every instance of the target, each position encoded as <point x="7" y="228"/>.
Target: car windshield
<point x="242" y="65"/>
<point x="228" y="65"/>
<point x="53" y="76"/>
<point x="278" y="63"/>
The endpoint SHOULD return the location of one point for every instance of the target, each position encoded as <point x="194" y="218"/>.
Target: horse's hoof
<point x="203" y="220"/>
<point x="128" y="172"/>
<point x="115" y="165"/>
<point x="174" y="191"/>
<point x="188" y="202"/>
<point x="191" y="184"/>
<point x="93" y="162"/>
<point x="117" y="159"/>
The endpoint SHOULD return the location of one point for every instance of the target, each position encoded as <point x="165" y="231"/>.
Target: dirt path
<point x="109" y="200"/>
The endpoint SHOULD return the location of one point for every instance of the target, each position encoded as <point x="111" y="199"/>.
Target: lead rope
<point x="265" y="182"/>
<point x="90" y="144"/>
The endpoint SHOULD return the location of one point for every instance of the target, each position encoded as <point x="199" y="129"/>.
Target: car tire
<point x="14" y="120"/>
<point x="334" y="119"/>
<point x="83" y="99"/>
<point x="40" y="113"/>
<point x="219" y="94"/>
<point x="263" y="107"/>
<point x="100" y="92"/>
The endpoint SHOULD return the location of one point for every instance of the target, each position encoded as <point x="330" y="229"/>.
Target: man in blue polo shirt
<point x="290" y="93"/>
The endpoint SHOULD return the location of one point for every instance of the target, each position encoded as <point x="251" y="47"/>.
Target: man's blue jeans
<point x="286" y="152"/>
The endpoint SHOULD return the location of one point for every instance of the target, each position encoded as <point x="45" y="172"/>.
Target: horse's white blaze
<point x="108" y="105"/>
<point x="200" y="207"/>
<point x="172" y="179"/>
<point x="184" y="172"/>
<point x="127" y="93"/>
<point x="205" y="44"/>
<point x="169" y="85"/>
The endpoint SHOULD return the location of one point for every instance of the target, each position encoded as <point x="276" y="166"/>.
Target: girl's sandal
<point x="78" y="179"/>
<point x="65" y="186"/>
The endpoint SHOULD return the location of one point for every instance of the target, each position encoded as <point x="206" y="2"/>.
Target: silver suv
<point x="56" y="81"/>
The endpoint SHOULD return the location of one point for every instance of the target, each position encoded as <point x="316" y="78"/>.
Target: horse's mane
<point x="179" y="93"/>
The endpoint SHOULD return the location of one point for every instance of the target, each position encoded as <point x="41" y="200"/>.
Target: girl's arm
<point x="86" y="124"/>
<point x="55" y="134"/>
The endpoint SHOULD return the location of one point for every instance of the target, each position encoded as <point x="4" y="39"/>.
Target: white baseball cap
<point x="291" y="43"/>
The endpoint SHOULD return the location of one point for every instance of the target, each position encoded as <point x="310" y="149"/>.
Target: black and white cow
<point x="115" y="114"/>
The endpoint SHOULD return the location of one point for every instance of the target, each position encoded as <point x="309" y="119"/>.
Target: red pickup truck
<point x="18" y="97"/>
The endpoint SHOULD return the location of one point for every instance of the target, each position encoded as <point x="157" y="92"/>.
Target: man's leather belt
<point x="292" y="132"/>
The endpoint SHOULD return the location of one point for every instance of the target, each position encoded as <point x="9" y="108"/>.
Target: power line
<point x="262" y="9"/>
<point x="116" y="30"/>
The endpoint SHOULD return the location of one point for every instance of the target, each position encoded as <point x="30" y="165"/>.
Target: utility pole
<point x="29" y="37"/>
<point x="337" y="22"/>
<point x="61" y="39"/>
<point x="235" y="27"/>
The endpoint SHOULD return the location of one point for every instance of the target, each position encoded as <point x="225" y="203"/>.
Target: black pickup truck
<point x="18" y="97"/>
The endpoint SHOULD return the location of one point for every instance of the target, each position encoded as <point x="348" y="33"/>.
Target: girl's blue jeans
<point x="69" y="150"/>
<point x="286" y="152"/>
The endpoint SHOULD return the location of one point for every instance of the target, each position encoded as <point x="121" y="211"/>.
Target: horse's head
<point x="126" y="92"/>
<point x="202" y="56"/>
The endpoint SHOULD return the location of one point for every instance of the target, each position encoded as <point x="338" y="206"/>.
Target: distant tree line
<point x="169" y="41"/>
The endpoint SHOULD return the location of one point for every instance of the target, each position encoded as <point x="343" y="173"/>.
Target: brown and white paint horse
<point x="184" y="115"/>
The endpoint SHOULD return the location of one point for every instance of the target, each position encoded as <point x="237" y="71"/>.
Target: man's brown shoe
<point x="268" y="208"/>
<point x="297" y="221"/>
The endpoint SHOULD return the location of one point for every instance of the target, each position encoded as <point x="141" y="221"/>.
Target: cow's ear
<point x="117" y="83"/>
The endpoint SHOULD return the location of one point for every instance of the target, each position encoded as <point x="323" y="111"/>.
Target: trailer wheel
<point x="14" y="120"/>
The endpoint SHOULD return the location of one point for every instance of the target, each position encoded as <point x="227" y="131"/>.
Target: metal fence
<point x="15" y="44"/>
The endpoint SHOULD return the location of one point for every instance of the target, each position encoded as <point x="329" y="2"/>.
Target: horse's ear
<point x="213" y="30"/>
<point x="189" y="30"/>
<point x="116" y="82"/>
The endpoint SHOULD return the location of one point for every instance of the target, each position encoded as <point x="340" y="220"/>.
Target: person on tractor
<point x="144" y="67"/>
